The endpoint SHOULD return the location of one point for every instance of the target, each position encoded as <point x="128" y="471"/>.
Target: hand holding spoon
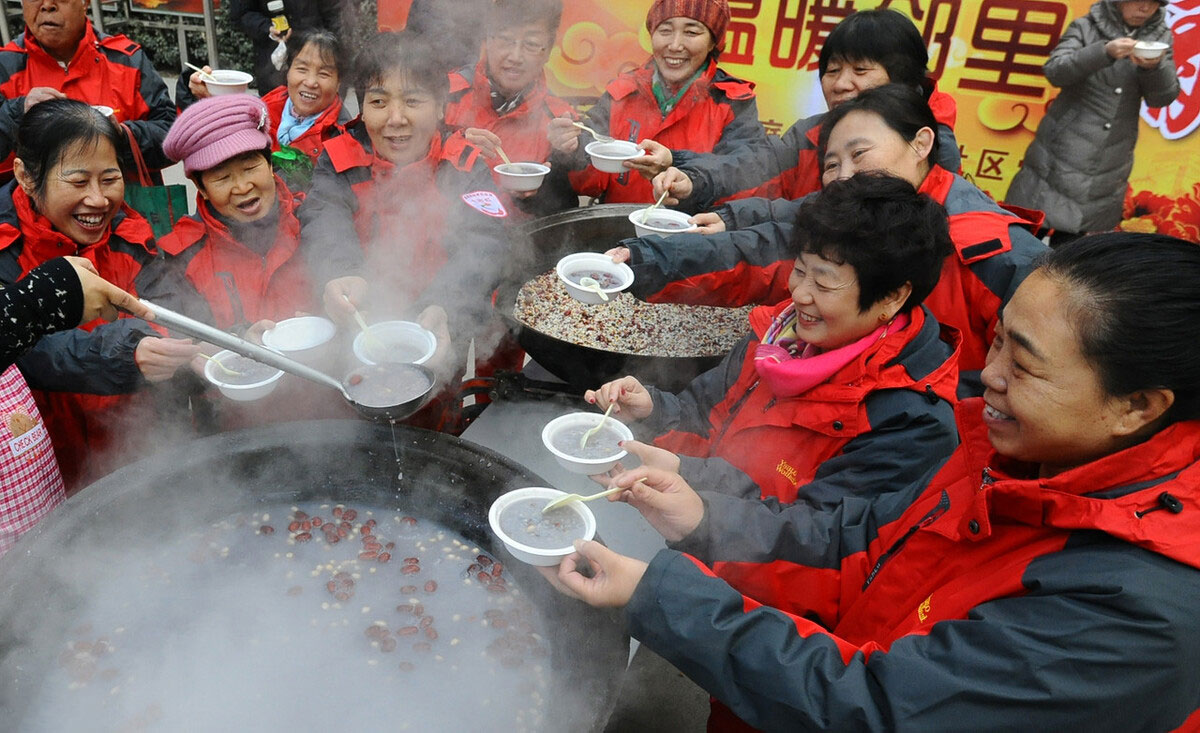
<point x="599" y="138"/>
<point x="653" y="206"/>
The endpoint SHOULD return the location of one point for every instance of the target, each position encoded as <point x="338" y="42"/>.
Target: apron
<point x="30" y="484"/>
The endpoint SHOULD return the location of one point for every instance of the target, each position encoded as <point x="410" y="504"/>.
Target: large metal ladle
<point x="191" y="327"/>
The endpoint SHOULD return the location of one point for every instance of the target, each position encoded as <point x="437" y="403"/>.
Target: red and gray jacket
<point x="96" y="358"/>
<point x="788" y="166"/>
<point x="994" y="252"/>
<point x="428" y="232"/>
<point x="330" y="123"/>
<point x="207" y="274"/>
<point x="980" y="596"/>
<point x="107" y="70"/>
<point x="717" y="114"/>
<point x="887" y="413"/>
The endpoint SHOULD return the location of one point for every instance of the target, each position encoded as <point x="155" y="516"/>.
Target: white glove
<point x="279" y="56"/>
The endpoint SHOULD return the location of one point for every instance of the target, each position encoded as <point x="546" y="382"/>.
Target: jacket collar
<point x="87" y="49"/>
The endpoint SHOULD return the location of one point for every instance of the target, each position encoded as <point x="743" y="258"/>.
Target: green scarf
<point x="665" y="104"/>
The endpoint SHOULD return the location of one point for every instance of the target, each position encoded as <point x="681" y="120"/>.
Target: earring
<point x="884" y="317"/>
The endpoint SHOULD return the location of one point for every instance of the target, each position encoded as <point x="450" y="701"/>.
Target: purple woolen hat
<point x="216" y="129"/>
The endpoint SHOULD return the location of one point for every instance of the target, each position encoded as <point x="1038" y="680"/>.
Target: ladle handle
<point x="203" y="331"/>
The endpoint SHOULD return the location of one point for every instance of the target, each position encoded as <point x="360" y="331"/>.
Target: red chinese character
<point x="739" y="36"/>
<point x="790" y="23"/>
<point x="989" y="164"/>
<point x="772" y="126"/>
<point x="1182" y="116"/>
<point x="1014" y="28"/>
<point x="937" y="28"/>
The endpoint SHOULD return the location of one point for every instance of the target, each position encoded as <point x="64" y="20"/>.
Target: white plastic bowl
<point x="537" y="555"/>
<point x="586" y="466"/>
<point x="305" y="339"/>
<point x="227" y="81"/>
<point x="609" y="156"/>
<point x="648" y="228"/>
<point x="408" y="336"/>
<point x="595" y="261"/>
<point x="1149" y="49"/>
<point x="521" y="176"/>
<point x="239" y="392"/>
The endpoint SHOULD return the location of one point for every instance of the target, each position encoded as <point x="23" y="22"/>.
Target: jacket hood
<point x="1147" y="495"/>
<point x="1107" y="16"/>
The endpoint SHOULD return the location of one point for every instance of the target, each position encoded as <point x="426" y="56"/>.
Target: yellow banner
<point x="987" y="54"/>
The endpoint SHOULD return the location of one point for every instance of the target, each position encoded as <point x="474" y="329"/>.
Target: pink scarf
<point x="791" y="367"/>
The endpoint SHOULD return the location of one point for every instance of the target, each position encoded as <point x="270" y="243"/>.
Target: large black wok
<point x="540" y="244"/>
<point x="444" y="479"/>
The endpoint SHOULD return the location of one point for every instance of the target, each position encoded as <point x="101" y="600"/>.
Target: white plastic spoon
<point x="222" y="367"/>
<point x="599" y="138"/>
<point x="652" y="207"/>
<point x="564" y="500"/>
<point x="591" y="284"/>
<point x="587" y="436"/>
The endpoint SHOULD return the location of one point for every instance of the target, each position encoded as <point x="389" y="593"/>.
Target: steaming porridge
<point x="248" y="370"/>
<point x="605" y="279"/>
<point x="294" y="618"/>
<point x="519" y="169"/>
<point x="385" y="385"/>
<point x="392" y="352"/>
<point x="524" y="522"/>
<point x="602" y="444"/>
<point x="662" y="222"/>
<point x="627" y="325"/>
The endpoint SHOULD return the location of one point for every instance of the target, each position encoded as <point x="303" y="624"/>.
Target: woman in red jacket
<point x="68" y="199"/>
<point x="1045" y="577"/>
<point x="848" y="368"/>
<point x="679" y="99"/>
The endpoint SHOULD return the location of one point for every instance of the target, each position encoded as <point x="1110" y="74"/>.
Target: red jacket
<point x="96" y="357"/>
<point x="717" y="114"/>
<point x="107" y="70"/>
<point x="209" y="275"/>
<point x="788" y="166"/>
<point x="899" y="392"/>
<point x="327" y="125"/>
<point x="994" y="252"/>
<point x="981" y="597"/>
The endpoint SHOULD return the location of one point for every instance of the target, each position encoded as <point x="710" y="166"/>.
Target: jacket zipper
<point x="942" y="506"/>
<point x="733" y="411"/>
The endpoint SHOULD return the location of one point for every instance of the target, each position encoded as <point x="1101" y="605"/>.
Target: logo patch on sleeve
<point x="485" y="202"/>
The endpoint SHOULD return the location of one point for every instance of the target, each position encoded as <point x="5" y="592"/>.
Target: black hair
<point x="902" y="109"/>
<point x="884" y="36"/>
<point x="1136" y="306"/>
<point x="49" y="129"/>
<point x="385" y="53"/>
<point x="505" y="14"/>
<point x="879" y="225"/>
<point x="329" y="46"/>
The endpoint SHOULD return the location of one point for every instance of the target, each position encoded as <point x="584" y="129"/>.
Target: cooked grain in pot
<point x="628" y="325"/>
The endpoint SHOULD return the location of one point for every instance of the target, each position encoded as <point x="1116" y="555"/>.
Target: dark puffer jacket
<point x="1077" y="168"/>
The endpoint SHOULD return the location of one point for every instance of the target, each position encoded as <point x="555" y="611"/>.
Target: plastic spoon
<point x="362" y="323"/>
<point x="587" y="436"/>
<point x="653" y="206"/>
<point x="564" y="500"/>
<point x="500" y="152"/>
<point x="222" y="367"/>
<point x="202" y="72"/>
<point x="591" y="284"/>
<point x="599" y="138"/>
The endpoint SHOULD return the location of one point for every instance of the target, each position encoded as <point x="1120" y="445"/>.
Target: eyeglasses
<point x="528" y="45"/>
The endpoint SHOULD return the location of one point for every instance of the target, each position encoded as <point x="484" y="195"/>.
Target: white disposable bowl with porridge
<point x="612" y="277"/>
<point x="394" y="342"/>
<point x="561" y="437"/>
<point x="608" y="156"/>
<point x="536" y="538"/>
<point x="227" y="81"/>
<point x="521" y="177"/>
<point x="305" y="339"/>
<point x="663" y="222"/>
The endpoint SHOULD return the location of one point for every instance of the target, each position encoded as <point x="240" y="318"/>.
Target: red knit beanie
<point x="216" y="129"/>
<point x="714" y="14"/>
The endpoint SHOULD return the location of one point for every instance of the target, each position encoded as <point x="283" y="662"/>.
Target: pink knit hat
<point x="714" y="14"/>
<point x="216" y="129"/>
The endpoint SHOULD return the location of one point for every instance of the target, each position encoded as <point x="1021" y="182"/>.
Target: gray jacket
<point x="1077" y="168"/>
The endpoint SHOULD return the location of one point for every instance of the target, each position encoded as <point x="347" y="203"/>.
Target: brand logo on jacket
<point x="788" y="471"/>
<point x="923" y="610"/>
<point x="485" y="202"/>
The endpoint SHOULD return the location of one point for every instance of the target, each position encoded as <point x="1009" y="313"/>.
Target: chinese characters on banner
<point x="987" y="54"/>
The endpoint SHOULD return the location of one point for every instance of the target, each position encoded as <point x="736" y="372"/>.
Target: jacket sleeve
<point x="727" y="269"/>
<point x="688" y="411"/>
<point x="11" y="112"/>
<point x="1011" y="663"/>
<point x="748" y="212"/>
<point x="151" y="130"/>
<point x="253" y="22"/>
<point x="1074" y="59"/>
<point x="99" y="361"/>
<point x="328" y="237"/>
<point x="48" y="299"/>
<point x="907" y="434"/>
<point x="948" y="154"/>
<point x="716" y="176"/>
<point x="164" y="282"/>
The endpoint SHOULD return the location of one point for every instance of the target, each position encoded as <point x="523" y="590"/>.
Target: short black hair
<point x="886" y="37"/>
<point x="504" y="14"/>
<point x="879" y="225"/>
<point x="49" y="129"/>
<point x="386" y="52"/>
<point x="329" y="46"/>
<point x="902" y="108"/>
<point x="1136" y="305"/>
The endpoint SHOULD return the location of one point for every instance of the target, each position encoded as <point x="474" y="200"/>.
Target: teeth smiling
<point x="995" y="414"/>
<point x="89" y="220"/>
<point x="807" y="318"/>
